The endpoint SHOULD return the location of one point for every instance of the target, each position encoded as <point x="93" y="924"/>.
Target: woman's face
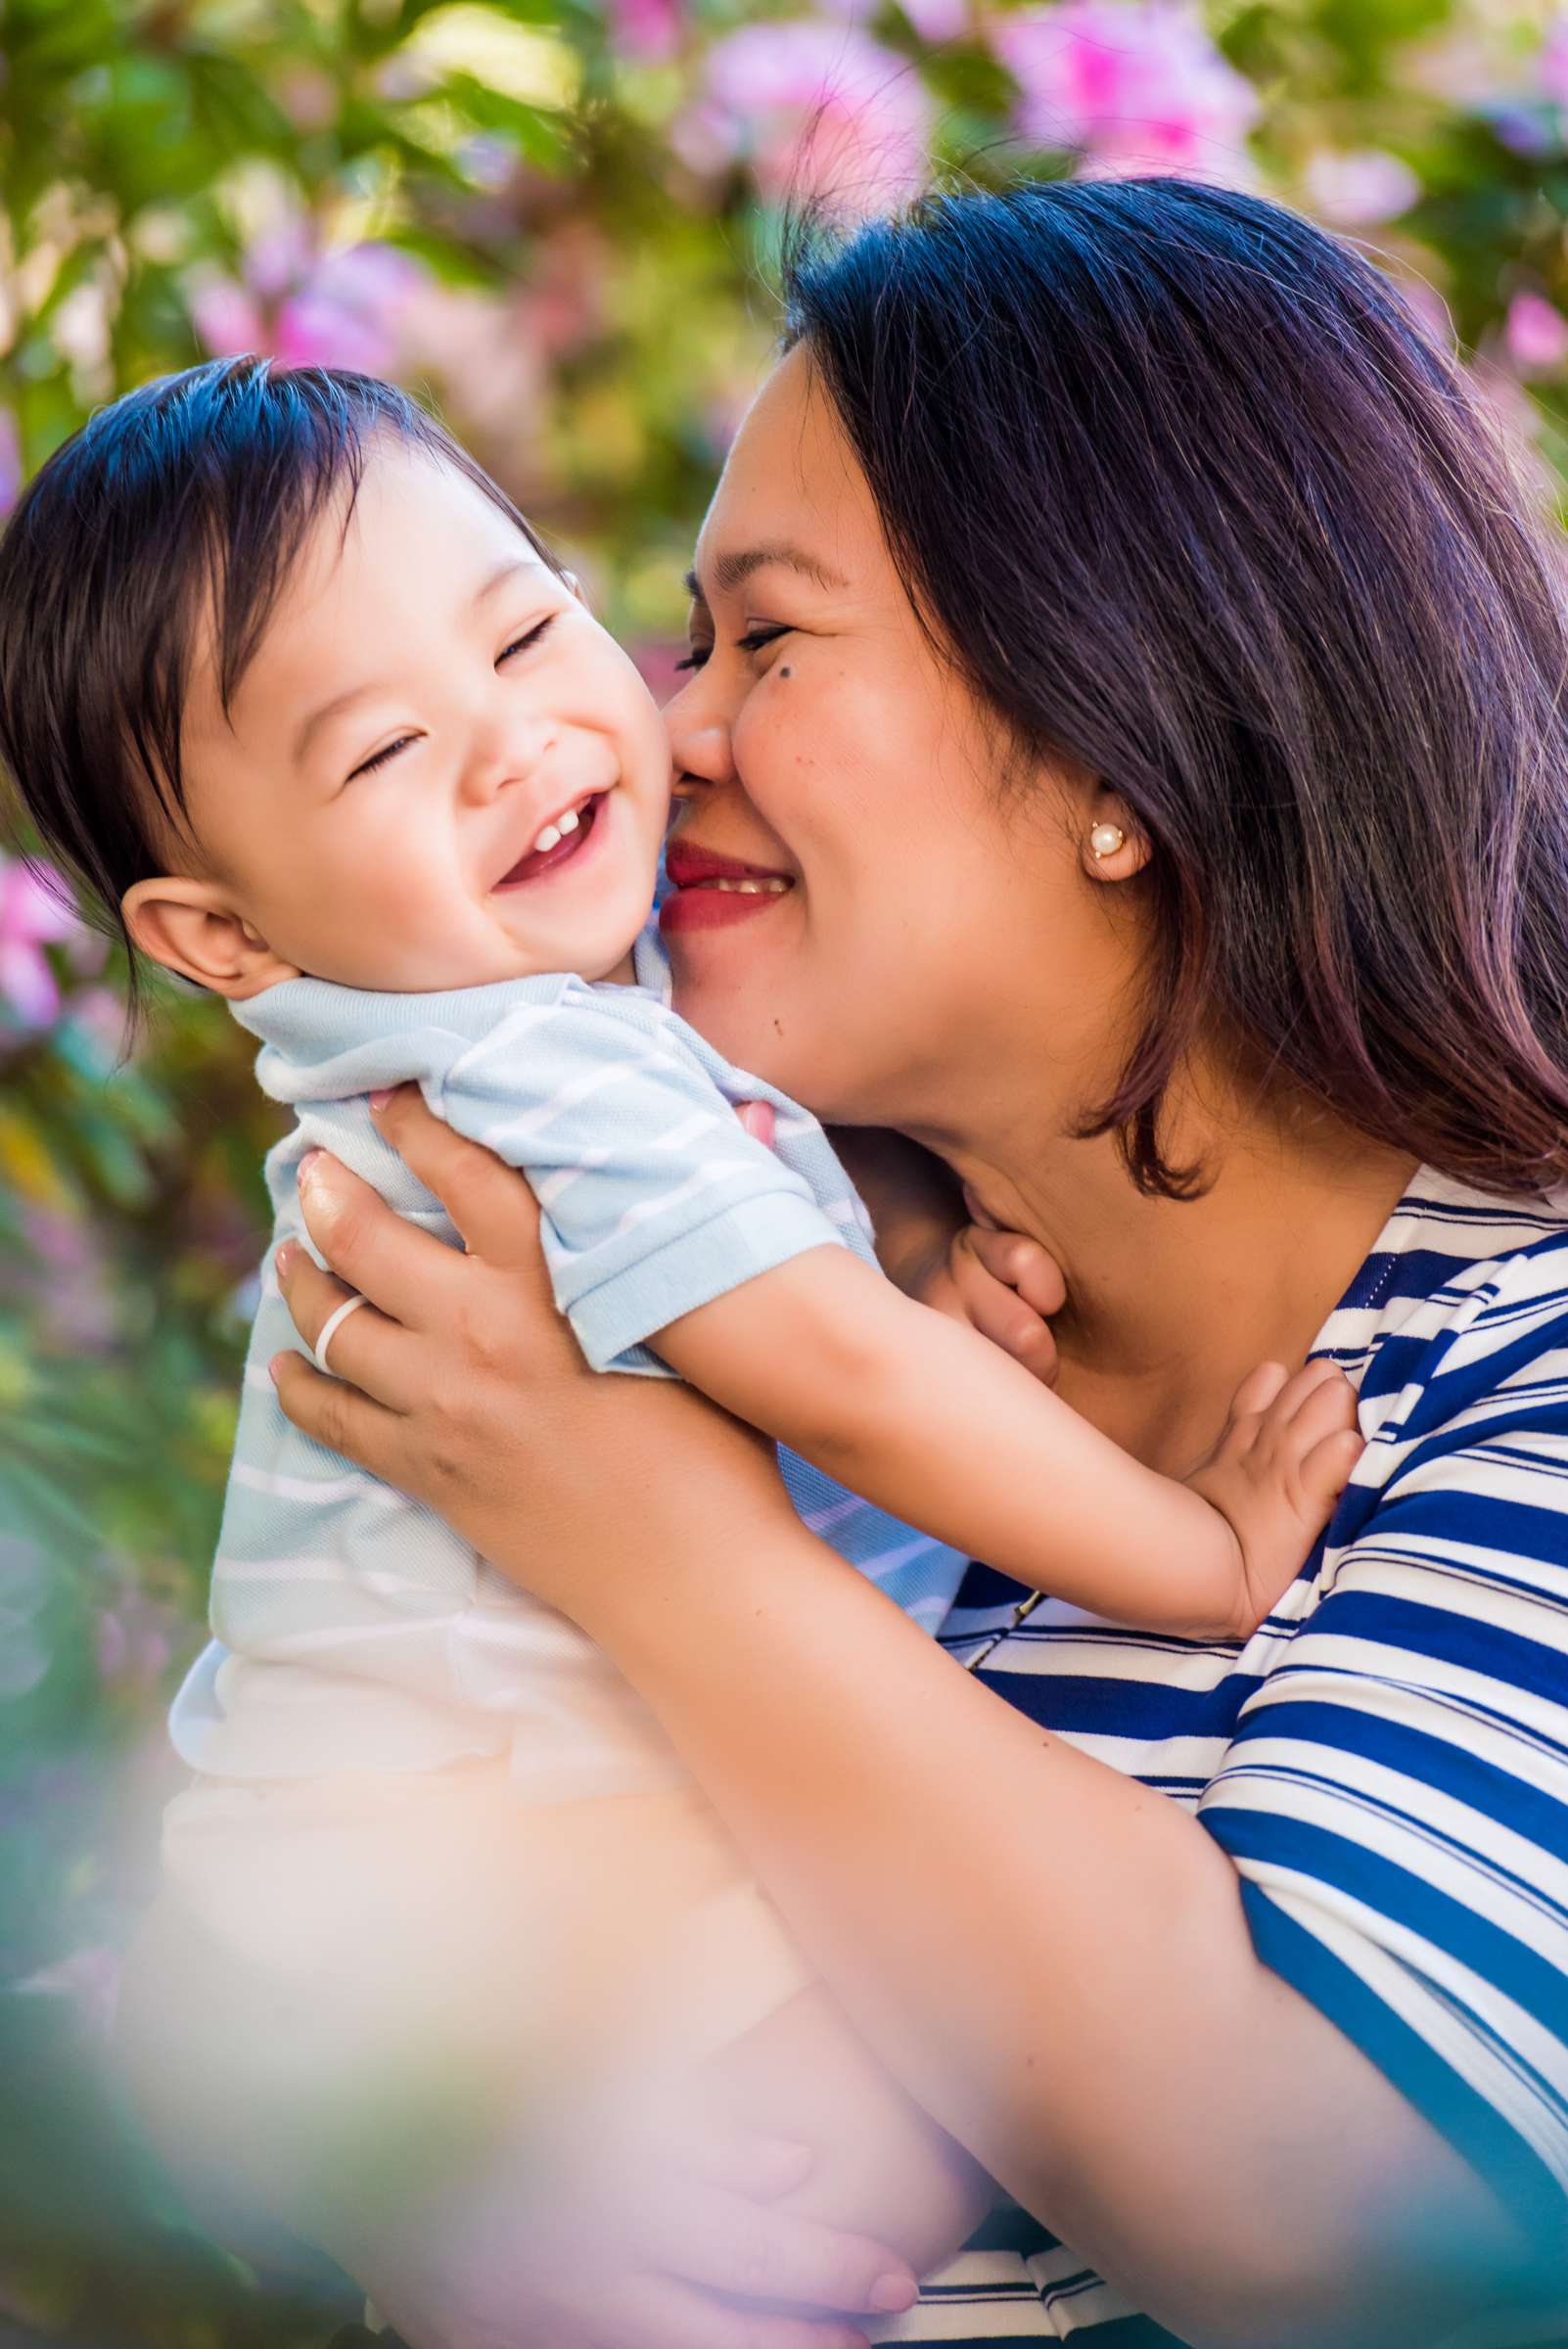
<point x="861" y="912"/>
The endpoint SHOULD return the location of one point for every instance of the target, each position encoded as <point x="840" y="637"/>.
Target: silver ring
<point x="328" y="1330"/>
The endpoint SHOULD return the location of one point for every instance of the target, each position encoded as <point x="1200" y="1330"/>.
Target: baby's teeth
<point x="549" y="838"/>
<point x="568" y="822"/>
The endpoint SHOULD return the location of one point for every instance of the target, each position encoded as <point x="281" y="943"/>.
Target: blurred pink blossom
<point x="935" y="21"/>
<point x="815" y="109"/>
<point x="1534" y="333"/>
<point x="32" y="916"/>
<point x="1551" y="61"/>
<point x="134" y="1642"/>
<point x="1137" y="85"/>
<point x="658" y="666"/>
<point x="647" y="29"/>
<point x="306" y="309"/>
<point x="100" y="1016"/>
<point x="79" y="1309"/>
<point x="10" y="461"/>
<point x="481" y="351"/>
<point x="1358" y="188"/>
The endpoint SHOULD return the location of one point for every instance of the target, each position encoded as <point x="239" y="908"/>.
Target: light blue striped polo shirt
<point x="1385" y="1761"/>
<point x="354" y="1629"/>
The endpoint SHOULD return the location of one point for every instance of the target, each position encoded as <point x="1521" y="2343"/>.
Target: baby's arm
<point x="922" y="1416"/>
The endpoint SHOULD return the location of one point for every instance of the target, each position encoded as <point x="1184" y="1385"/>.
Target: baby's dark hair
<point x="194" y="493"/>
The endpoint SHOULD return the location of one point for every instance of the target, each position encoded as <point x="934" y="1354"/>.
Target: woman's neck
<point x="1169" y="1302"/>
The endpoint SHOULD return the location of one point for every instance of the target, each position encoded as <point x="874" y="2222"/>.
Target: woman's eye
<point x="530" y="637"/>
<point x="753" y="641"/>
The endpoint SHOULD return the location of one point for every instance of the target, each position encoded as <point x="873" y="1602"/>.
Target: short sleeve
<point x="654" y="1199"/>
<point x="1396" y="1796"/>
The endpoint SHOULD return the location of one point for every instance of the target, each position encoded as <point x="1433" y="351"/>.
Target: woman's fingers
<point x="730" y="2245"/>
<point x="488" y="1201"/>
<point x="364" y="1348"/>
<point x="410" y="1275"/>
<point x="659" y="2311"/>
<point x="761" y="2168"/>
<point x="339" y="1416"/>
<point x="759" y="1121"/>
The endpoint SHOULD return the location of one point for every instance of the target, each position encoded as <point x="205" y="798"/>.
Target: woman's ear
<point x="1111" y="849"/>
<point x="190" y="927"/>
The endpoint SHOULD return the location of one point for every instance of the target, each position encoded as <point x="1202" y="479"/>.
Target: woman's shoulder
<point x="1460" y="1289"/>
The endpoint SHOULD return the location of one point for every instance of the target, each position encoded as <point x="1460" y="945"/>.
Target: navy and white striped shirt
<point x="1386" y="1760"/>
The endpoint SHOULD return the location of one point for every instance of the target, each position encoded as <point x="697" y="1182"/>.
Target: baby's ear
<point x="190" y="927"/>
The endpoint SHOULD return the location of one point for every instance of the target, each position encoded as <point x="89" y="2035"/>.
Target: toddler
<point x="286" y="679"/>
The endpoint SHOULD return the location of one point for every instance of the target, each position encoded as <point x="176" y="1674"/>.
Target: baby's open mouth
<point x="563" y="838"/>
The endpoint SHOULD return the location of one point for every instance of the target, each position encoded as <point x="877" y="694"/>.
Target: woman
<point x="1116" y="628"/>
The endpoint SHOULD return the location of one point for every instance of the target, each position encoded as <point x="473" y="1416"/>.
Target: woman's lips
<point x="712" y="892"/>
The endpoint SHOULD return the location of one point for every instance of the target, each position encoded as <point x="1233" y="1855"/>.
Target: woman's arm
<point x="1053" y="1959"/>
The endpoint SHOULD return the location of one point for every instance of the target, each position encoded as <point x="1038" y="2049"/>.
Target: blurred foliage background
<point x="555" y="222"/>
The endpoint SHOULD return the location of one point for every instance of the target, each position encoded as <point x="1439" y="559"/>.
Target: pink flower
<point x="935" y="21"/>
<point x="1359" y="189"/>
<point x="1552" y="63"/>
<point x="339" y="309"/>
<point x="1138" y="87"/>
<point x="815" y="109"/>
<point x="34" y="914"/>
<point x="79" y="1312"/>
<point x="1534" y="333"/>
<point x="647" y="29"/>
<point x="134" y="1643"/>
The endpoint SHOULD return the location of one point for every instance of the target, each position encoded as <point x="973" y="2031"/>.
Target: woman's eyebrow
<point x="734" y="569"/>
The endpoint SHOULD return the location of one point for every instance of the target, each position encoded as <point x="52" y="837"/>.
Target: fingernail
<point x="380" y="1100"/>
<point x="284" y="1259"/>
<point x="307" y="1161"/>
<point x="272" y="1368"/>
<point x="891" y="2295"/>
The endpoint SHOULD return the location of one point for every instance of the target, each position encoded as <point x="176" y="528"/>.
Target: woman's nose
<point x="700" y="743"/>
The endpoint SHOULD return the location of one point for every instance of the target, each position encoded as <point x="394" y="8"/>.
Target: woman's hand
<point x="459" y="1382"/>
<point x="674" y="2242"/>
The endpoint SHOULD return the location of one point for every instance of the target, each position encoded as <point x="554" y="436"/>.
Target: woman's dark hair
<point x="190" y="496"/>
<point x="1183" y="489"/>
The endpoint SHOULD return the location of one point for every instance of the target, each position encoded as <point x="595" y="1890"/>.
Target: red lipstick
<point x="710" y="891"/>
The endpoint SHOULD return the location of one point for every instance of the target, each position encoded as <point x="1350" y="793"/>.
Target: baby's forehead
<point x="412" y="538"/>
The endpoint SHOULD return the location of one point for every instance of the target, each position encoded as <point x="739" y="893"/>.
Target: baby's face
<point x="440" y="770"/>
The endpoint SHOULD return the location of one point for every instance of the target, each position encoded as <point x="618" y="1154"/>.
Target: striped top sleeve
<point x="1394" y="1797"/>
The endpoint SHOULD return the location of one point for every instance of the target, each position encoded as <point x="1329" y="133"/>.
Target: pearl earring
<point x="1105" y="840"/>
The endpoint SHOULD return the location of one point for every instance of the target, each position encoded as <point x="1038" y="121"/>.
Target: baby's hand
<point x="1003" y="1284"/>
<point x="1284" y="1458"/>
